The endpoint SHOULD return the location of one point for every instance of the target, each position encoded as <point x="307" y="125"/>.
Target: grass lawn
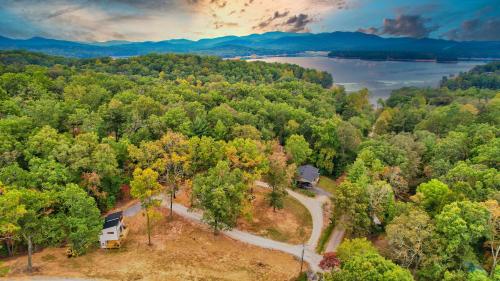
<point x="327" y="184"/>
<point x="181" y="250"/>
<point x="291" y="224"/>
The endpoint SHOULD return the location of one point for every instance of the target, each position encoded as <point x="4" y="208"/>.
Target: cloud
<point x="476" y="29"/>
<point x="266" y="23"/>
<point x="219" y="3"/>
<point x="404" y="25"/>
<point x="369" y="30"/>
<point x="297" y="23"/>
<point x="221" y="24"/>
<point x="98" y="20"/>
<point x="64" y="11"/>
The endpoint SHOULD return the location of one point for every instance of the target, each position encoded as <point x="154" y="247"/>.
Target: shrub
<point x="329" y="261"/>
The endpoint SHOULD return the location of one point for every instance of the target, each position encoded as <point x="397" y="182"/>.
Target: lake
<point x="380" y="77"/>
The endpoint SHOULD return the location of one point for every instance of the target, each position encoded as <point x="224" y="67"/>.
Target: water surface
<point x="380" y="77"/>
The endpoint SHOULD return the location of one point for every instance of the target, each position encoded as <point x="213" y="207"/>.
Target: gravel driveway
<point x="314" y="205"/>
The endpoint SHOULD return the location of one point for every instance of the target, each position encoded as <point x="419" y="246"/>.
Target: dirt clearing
<point x="181" y="250"/>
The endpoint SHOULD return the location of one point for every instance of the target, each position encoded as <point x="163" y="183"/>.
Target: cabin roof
<point x="308" y="173"/>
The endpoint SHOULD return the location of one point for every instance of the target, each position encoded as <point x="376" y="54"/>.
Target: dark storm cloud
<point x="297" y="23"/>
<point x="266" y="23"/>
<point x="404" y="25"/>
<point x="476" y="29"/>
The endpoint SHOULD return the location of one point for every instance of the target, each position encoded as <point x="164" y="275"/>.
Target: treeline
<point x="427" y="184"/>
<point x="482" y="76"/>
<point x="192" y="68"/>
<point x="92" y="128"/>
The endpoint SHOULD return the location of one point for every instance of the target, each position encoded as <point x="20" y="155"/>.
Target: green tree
<point x="146" y="188"/>
<point x="219" y="193"/>
<point x="205" y="153"/>
<point x="462" y="224"/>
<point x="80" y="218"/>
<point x="34" y="222"/>
<point x="11" y="211"/>
<point x="381" y="200"/>
<point x="355" y="247"/>
<point x="326" y="143"/>
<point x="350" y="208"/>
<point x="433" y="195"/>
<point x="370" y="267"/>
<point x="473" y="181"/>
<point x="298" y="148"/>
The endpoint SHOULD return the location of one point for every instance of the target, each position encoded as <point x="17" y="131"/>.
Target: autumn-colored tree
<point x="493" y="232"/>
<point x="169" y="157"/>
<point x="146" y="188"/>
<point x="248" y="156"/>
<point x="174" y="164"/>
<point x="279" y="176"/>
<point x="410" y="238"/>
<point x="329" y="261"/>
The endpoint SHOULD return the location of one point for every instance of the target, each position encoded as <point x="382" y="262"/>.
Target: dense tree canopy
<point x="420" y="171"/>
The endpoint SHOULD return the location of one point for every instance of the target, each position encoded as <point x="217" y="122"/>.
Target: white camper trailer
<point x="113" y="231"/>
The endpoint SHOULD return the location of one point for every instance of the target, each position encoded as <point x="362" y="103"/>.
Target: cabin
<point x="308" y="176"/>
<point x="113" y="231"/>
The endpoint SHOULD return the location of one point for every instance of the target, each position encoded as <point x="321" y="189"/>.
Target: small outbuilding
<point x="113" y="231"/>
<point x="308" y="176"/>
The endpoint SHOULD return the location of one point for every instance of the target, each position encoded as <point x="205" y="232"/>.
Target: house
<point x="113" y="231"/>
<point x="308" y="176"/>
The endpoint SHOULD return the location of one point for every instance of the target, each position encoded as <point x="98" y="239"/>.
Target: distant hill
<point x="271" y="43"/>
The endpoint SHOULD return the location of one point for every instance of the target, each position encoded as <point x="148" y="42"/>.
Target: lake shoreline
<point x="302" y="55"/>
<point x="379" y="77"/>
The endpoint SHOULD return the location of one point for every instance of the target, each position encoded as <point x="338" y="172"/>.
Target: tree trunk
<point x="30" y="253"/>
<point x="274" y="198"/>
<point x="148" y="228"/>
<point x="175" y="189"/>
<point x="172" y="205"/>
<point x="494" y="253"/>
<point x="215" y="227"/>
<point x="9" y="244"/>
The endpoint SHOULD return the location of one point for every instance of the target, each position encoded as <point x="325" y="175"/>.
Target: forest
<point x="419" y="172"/>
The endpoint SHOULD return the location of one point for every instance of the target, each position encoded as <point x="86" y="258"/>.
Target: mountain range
<point x="271" y="43"/>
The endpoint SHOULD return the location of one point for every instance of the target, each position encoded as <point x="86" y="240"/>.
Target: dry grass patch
<point x="292" y="224"/>
<point x="327" y="184"/>
<point x="181" y="250"/>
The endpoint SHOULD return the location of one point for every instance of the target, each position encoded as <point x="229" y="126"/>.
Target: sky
<point x="156" y="20"/>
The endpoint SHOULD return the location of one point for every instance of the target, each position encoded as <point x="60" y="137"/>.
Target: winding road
<point x="314" y="205"/>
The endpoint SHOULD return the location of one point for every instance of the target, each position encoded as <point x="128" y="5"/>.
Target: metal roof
<point x="112" y="219"/>
<point x="114" y="216"/>
<point x="309" y="173"/>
